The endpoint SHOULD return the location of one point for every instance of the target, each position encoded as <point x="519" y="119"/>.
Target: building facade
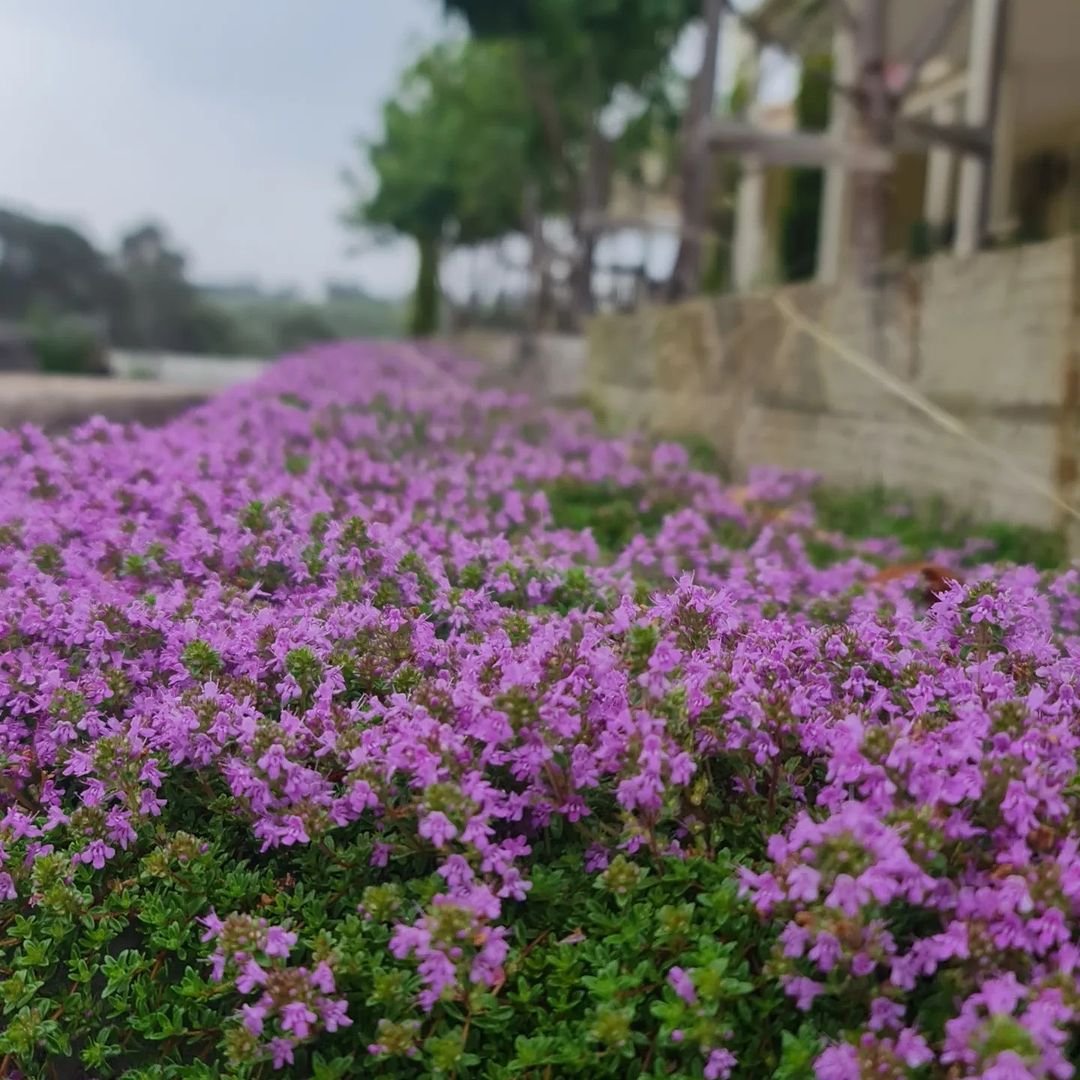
<point x="1012" y="66"/>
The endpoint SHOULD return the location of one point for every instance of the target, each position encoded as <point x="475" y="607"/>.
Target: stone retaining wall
<point x="995" y="340"/>
<point x="557" y="374"/>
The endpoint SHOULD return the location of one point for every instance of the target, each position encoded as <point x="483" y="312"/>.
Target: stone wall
<point x="994" y="340"/>
<point x="558" y="372"/>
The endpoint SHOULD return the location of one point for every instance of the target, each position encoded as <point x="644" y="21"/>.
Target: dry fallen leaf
<point x="937" y="578"/>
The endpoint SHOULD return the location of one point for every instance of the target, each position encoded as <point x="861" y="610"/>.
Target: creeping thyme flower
<point x="478" y="661"/>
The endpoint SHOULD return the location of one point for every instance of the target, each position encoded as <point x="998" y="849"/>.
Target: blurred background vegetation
<point x="63" y="303"/>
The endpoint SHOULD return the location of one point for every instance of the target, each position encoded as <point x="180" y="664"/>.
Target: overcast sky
<point x="229" y="120"/>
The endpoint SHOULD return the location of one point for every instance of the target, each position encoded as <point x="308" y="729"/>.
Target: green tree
<point x="573" y="58"/>
<point x="162" y="309"/>
<point x="66" y="343"/>
<point x="457" y="146"/>
<point x="53" y="268"/>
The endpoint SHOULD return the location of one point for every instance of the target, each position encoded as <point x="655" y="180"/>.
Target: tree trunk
<point x="876" y="120"/>
<point x="538" y="276"/>
<point x="592" y="201"/>
<point x="581" y="283"/>
<point x="425" y="312"/>
<point x="696" y="164"/>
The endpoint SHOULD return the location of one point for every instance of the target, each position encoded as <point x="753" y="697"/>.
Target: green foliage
<point x="265" y="324"/>
<point x="925" y="239"/>
<point x="718" y="270"/>
<point x="201" y="660"/>
<point x="812" y="106"/>
<point x="614" y="515"/>
<point x="457" y="148"/>
<point x="160" y="308"/>
<point x="926" y="525"/>
<point x="573" y="57"/>
<point x="65" y="346"/>
<point x="703" y="454"/>
<point x="115" y="981"/>
<point x="612" y="42"/>
<point x="799" y="230"/>
<point x="73" y="299"/>
<point x="475" y="126"/>
<point x="303" y="325"/>
<point x="52" y="266"/>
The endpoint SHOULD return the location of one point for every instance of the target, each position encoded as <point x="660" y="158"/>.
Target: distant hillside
<point x="269" y="323"/>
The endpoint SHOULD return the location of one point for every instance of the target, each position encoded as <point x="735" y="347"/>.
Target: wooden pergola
<point x="971" y="73"/>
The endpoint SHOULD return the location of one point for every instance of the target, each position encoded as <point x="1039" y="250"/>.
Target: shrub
<point x="67" y="348"/>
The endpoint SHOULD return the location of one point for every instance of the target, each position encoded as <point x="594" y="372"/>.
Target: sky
<point x="228" y="121"/>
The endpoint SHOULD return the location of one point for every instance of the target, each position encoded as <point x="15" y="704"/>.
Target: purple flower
<point x="297" y="1018"/>
<point x="254" y="1015"/>
<point x="719" y="1065"/>
<point x="278" y="941"/>
<point x="803" y="883"/>
<point x="359" y="616"/>
<point x="274" y="762"/>
<point x="95" y="854"/>
<point x="333" y="1014"/>
<point x="838" y="1063"/>
<point x="251" y="975"/>
<point x="323" y="978"/>
<point x="437" y="828"/>
<point x="682" y="984"/>
<point x="845" y="895"/>
<point x="803" y="990"/>
<point x="281" y="1052"/>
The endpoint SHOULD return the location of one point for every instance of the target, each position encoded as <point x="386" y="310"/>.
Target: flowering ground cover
<point x="367" y="722"/>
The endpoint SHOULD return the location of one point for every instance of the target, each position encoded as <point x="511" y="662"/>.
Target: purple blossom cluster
<point x="296" y="1001"/>
<point x="340" y="594"/>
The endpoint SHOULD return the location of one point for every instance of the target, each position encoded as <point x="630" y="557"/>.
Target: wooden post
<point x="749" y="240"/>
<point x="748" y="256"/>
<point x="983" y="59"/>
<point x="835" y="209"/>
<point x="1001" y="178"/>
<point x="696" y="165"/>
<point x="939" y="172"/>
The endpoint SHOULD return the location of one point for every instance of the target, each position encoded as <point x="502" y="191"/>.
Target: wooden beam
<point x="602" y="222"/>
<point x="844" y="15"/>
<point x="984" y="53"/>
<point x="925" y="98"/>
<point x="933" y="34"/>
<point x="796" y="148"/>
<point x="916" y="133"/>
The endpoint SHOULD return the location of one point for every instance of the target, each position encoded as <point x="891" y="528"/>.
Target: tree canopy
<point x="489" y="136"/>
<point x="457" y="149"/>
<point x="44" y="265"/>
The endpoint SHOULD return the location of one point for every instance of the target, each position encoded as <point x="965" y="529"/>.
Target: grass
<point x="923" y="526"/>
<point x="615" y="515"/>
<point x="928" y="524"/>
